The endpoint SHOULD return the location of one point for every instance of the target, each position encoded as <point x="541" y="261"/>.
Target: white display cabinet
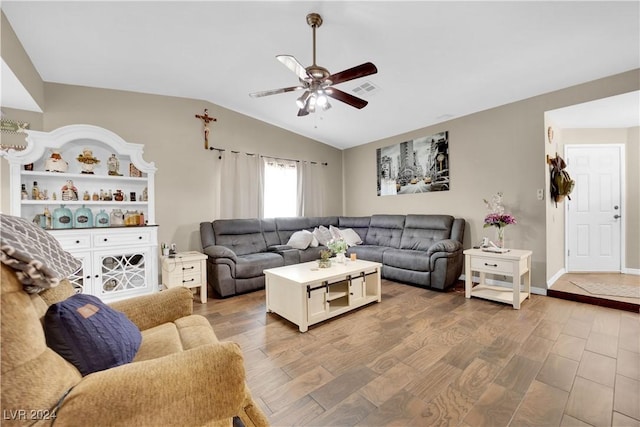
<point x="118" y="261"/>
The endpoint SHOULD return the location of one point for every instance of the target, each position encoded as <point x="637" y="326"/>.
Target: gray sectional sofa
<point x="422" y="250"/>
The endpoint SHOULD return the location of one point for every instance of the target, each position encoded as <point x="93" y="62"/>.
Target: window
<point x="280" y="188"/>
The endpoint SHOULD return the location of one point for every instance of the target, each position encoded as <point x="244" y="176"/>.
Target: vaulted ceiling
<point x="435" y="60"/>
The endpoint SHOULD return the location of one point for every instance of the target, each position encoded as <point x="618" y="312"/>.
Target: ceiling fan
<point x="317" y="82"/>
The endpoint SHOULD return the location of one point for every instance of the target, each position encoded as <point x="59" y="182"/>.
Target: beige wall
<point x="173" y="140"/>
<point x="628" y="137"/>
<point x="501" y="149"/>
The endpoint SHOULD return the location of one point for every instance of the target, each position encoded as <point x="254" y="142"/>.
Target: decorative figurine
<point x="113" y="165"/>
<point x="69" y="191"/>
<point x="88" y="161"/>
<point x="55" y="163"/>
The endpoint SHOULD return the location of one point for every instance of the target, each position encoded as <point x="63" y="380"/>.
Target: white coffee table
<point x="305" y="294"/>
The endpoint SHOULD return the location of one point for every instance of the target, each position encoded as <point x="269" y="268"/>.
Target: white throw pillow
<point x="335" y="233"/>
<point x="314" y="241"/>
<point x="322" y="234"/>
<point x="300" y="239"/>
<point x="350" y="236"/>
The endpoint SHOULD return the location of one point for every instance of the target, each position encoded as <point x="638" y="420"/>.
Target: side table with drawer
<point x="186" y="269"/>
<point x="515" y="263"/>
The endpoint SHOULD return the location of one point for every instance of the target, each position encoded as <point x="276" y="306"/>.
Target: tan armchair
<point x="182" y="375"/>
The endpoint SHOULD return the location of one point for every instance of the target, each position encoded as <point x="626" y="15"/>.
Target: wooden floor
<point x="426" y="358"/>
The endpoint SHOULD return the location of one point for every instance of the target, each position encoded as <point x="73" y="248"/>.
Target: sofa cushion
<point x="252" y="265"/>
<point x="89" y="334"/>
<point x="242" y="236"/>
<point x="368" y="252"/>
<point x="385" y="230"/>
<point x="407" y="259"/>
<point x="422" y="231"/>
<point x="359" y="224"/>
<point x="300" y="239"/>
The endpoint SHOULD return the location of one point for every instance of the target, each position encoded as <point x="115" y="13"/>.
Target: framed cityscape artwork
<point x="420" y="165"/>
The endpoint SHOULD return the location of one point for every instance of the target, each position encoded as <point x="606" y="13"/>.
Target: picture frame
<point x="420" y="165"/>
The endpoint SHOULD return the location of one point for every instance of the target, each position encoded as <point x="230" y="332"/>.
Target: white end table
<point x="186" y="269"/>
<point x="515" y="263"/>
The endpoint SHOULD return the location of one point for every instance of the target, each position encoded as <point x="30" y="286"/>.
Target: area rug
<point x="609" y="289"/>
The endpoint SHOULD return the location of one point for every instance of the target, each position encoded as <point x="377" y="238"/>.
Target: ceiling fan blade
<point x="354" y="101"/>
<point x="353" y="73"/>
<point x="302" y="112"/>
<point x="275" y="91"/>
<point x="292" y="63"/>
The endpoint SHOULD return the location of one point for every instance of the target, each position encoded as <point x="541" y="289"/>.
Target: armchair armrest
<point x="207" y="383"/>
<point x="446" y="245"/>
<point x="217" y="251"/>
<point x="147" y="311"/>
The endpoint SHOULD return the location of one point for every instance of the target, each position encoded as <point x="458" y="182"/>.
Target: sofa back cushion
<point x="242" y="236"/>
<point x="287" y="226"/>
<point x="33" y="377"/>
<point x="422" y="231"/>
<point x="359" y="224"/>
<point x="385" y="230"/>
<point x="270" y="231"/>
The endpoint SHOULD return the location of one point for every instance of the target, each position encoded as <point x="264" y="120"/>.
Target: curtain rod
<point x="271" y="157"/>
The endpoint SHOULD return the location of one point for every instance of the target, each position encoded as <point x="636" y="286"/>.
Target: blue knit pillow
<point x="89" y="334"/>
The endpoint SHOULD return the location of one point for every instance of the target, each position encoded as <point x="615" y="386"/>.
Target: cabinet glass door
<point x="81" y="278"/>
<point x="123" y="272"/>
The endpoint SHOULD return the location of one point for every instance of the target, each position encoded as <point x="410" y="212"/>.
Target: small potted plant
<point x="338" y="247"/>
<point x="325" y="261"/>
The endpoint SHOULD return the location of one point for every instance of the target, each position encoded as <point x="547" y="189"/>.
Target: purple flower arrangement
<point x="496" y="216"/>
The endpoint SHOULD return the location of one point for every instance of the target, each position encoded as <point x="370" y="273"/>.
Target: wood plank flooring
<point x="426" y="358"/>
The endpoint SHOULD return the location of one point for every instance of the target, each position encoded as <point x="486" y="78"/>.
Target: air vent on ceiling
<point x="365" y="89"/>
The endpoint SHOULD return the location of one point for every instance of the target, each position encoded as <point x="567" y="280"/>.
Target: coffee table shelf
<point x="305" y="294"/>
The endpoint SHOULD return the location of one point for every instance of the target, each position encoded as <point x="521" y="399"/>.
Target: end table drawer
<point x="491" y="265"/>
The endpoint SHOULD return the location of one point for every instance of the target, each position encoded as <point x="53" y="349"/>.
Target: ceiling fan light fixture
<point x="321" y="99"/>
<point x="302" y="101"/>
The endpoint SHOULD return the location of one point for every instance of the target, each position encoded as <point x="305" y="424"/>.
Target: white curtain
<point x="240" y="185"/>
<point x="312" y="183"/>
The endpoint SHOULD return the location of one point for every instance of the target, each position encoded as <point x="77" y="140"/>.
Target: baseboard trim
<point x="632" y="271"/>
<point x="555" y="278"/>
<point x="619" y="305"/>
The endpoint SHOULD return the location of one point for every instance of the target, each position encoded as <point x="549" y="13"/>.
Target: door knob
<point x="616" y="216"/>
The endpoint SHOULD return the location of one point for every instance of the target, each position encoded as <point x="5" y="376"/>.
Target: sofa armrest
<point x="192" y="387"/>
<point x="147" y="311"/>
<point x="446" y="245"/>
<point x="217" y="251"/>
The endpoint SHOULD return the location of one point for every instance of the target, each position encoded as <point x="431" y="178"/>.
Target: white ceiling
<point x="435" y="60"/>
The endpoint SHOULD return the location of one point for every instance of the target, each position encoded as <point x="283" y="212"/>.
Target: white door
<point x="594" y="212"/>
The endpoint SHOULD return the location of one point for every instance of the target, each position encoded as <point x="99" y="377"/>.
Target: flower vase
<point x="340" y="258"/>
<point x="500" y="242"/>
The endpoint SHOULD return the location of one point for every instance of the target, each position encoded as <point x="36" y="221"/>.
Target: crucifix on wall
<point x="206" y="119"/>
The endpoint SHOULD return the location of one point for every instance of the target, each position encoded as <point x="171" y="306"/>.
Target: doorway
<point x="594" y="221"/>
